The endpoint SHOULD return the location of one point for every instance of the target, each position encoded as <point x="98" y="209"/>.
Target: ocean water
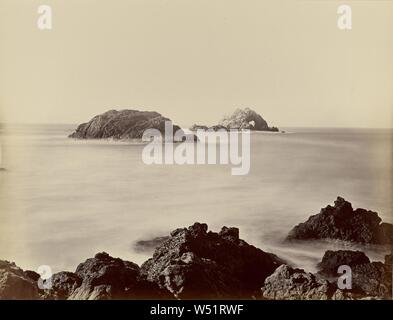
<point x="62" y="200"/>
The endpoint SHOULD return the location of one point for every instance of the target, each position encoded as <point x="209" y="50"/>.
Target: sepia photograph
<point x="196" y="150"/>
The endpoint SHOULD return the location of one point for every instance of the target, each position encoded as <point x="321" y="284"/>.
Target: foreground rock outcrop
<point x="15" y="283"/>
<point x="368" y="278"/>
<point x="241" y="119"/>
<point x="331" y="260"/>
<point x="195" y="263"/>
<point x="123" y="124"/>
<point x="343" y="223"/>
<point x="104" y="277"/>
<point x="288" y="283"/>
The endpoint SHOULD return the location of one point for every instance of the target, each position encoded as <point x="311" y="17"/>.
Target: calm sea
<point x="63" y="200"/>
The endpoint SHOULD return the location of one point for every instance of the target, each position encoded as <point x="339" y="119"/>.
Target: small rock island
<point x="241" y="119"/>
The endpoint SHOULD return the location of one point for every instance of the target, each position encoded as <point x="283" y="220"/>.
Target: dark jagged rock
<point x="368" y="278"/>
<point x="104" y="277"/>
<point x="333" y="259"/>
<point x="287" y="283"/>
<point x="123" y="124"/>
<point x="195" y="263"/>
<point x="343" y="223"/>
<point x="149" y="245"/>
<point x="63" y="285"/>
<point x="15" y="284"/>
<point x="241" y="119"/>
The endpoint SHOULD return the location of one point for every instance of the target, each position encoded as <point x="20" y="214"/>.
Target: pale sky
<point x="196" y="60"/>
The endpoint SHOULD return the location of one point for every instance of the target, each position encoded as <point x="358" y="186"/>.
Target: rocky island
<point x="123" y="124"/>
<point x="241" y="119"/>
<point x="197" y="263"/>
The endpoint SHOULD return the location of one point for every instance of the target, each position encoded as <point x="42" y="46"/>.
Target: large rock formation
<point x="368" y="278"/>
<point x="195" y="263"/>
<point x="15" y="283"/>
<point x="239" y="120"/>
<point x="123" y="124"/>
<point x="343" y="223"/>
